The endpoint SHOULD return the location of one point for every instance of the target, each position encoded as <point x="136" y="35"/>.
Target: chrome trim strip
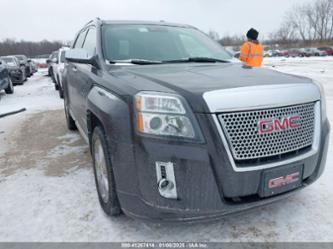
<point x="313" y="151"/>
<point x="257" y="97"/>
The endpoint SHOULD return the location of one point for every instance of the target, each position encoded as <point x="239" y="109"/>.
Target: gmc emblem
<point x="283" y="180"/>
<point x="273" y="125"/>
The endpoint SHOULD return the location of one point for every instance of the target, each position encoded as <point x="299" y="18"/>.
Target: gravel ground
<point x="48" y="192"/>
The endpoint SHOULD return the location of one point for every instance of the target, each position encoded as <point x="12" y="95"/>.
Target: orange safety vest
<point x="252" y="54"/>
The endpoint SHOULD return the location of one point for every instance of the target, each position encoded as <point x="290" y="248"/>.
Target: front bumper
<point x="16" y="76"/>
<point x="207" y="185"/>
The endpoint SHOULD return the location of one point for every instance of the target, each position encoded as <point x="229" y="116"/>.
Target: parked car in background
<point x="295" y="53"/>
<point x="58" y="68"/>
<point x="327" y="49"/>
<point x="177" y="131"/>
<point x="284" y="53"/>
<point x="5" y="81"/>
<point x="50" y="62"/>
<point x="16" y="71"/>
<point x="272" y="53"/>
<point x="314" y="52"/>
<point x="41" y="61"/>
<point x="237" y="54"/>
<point x="26" y="62"/>
<point x="268" y="53"/>
<point x="42" y="64"/>
<point x="33" y="66"/>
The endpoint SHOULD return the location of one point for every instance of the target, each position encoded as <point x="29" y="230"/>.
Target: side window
<point x="80" y="39"/>
<point x="90" y="42"/>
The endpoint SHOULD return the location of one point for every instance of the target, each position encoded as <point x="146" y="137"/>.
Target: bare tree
<point x="28" y="48"/>
<point x="296" y="19"/>
<point x="309" y="22"/>
<point x="235" y="40"/>
<point x="214" y="35"/>
<point x="284" y="34"/>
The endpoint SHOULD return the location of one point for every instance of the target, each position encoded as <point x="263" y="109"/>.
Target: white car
<point x="58" y="68"/>
<point x="314" y="52"/>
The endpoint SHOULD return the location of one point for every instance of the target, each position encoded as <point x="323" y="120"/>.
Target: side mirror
<point x="79" y="55"/>
<point x="22" y="64"/>
<point x="29" y="60"/>
<point x="48" y="61"/>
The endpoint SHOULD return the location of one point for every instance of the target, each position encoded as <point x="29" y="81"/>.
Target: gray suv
<point x="180" y="131"/>
<point x="5" y="81"/>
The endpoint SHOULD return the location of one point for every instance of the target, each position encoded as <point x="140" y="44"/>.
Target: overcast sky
<point x="61" y="19"/>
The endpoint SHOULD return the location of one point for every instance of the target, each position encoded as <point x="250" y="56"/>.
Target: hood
<point x="193" y="80"/>
<point x="12" y="67"/>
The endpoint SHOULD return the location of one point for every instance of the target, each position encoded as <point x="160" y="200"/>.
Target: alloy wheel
<point x="101" y="171"/>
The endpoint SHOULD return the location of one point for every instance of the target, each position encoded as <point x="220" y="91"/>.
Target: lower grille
<point x="246" y="142"/>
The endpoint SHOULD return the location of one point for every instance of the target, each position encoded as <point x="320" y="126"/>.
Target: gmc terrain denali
<point x="180" y="131"/>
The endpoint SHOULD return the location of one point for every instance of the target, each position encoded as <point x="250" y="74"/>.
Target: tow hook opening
<point x="166" y="181"/>
<point x="165" y="184"/>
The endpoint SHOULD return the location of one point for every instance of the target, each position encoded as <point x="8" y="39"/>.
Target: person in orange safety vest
<point x="252" y="51"/>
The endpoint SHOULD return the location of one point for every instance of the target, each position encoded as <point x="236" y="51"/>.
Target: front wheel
<point x="103" y="172"/>
<point x="10" y="87"/>
<point x="22" y="79"/>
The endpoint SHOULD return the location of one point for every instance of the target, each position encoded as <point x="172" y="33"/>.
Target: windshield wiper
<point x="136" y="61"/>
<point x="184" y="60"/>
<point x="197" y="59"/>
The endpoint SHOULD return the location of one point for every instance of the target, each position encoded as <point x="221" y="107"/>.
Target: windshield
<point x="9" y="61"/>
<point x="20" y="57"/>
<point x="158" y="43"/>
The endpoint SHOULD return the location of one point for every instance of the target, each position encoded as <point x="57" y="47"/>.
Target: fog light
<point x="166" y="181"/>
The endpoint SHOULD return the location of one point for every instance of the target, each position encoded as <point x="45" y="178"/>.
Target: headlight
<point x="164" y="115"/>
<point x="322" y="101"/>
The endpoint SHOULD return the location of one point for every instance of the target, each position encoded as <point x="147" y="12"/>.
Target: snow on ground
<point x="35" y="95"/>
<point x="47" y="190"/>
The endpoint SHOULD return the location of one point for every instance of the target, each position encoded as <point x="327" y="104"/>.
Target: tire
<point x="10" y="88"/>
<point x="103" y="171"/>
<point x="61" y="92"/>
<point x="53" y="78"/>
<point x="69" y="120"/>
<point x="25" y="76"/>
<point x="22" y="79"/>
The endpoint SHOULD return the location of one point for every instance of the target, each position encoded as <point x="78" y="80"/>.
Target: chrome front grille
<point x="247" y="143"/>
